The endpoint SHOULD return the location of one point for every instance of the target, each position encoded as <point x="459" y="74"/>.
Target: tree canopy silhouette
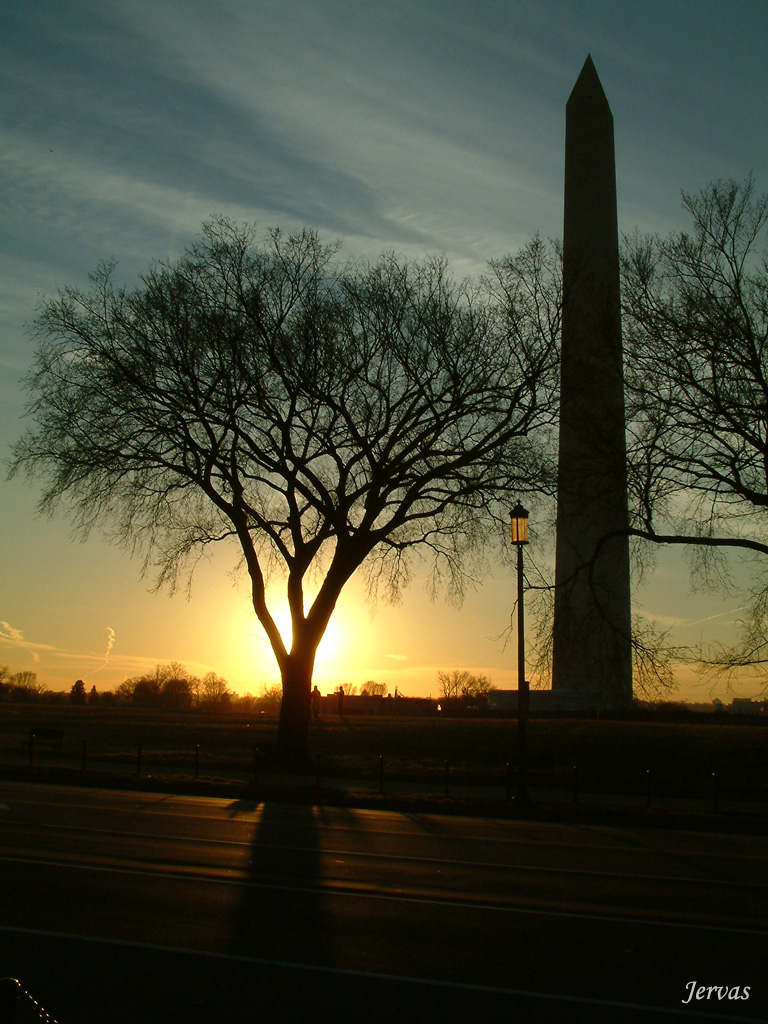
<point x="696" y="328"/>
<point x="324" y="417"/>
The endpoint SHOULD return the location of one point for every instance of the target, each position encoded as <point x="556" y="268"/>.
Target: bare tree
<point x="371" y="688"/>
<point x="463" y="684"/>
<point x="696" y="328"/>
<point x="171" y="686"/>
<point x="269" y="697"/>
<point x="22" y="687"/>
<point x="176" y="693"/>
<point x="530" y="285"/>
<point x="450" y="683"/>
<point x="323" y="417"/>
<point x="213" y="692"/>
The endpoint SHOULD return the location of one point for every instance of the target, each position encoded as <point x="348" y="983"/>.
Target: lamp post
<point x="519" y="528"/>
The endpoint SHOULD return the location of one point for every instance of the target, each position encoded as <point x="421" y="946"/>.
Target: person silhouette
<point x="316" y="695"/>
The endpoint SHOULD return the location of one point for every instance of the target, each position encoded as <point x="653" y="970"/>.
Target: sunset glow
<point x="331" y="646"/>
<point x="331" y="143"/>
<point x="344" y="648"/>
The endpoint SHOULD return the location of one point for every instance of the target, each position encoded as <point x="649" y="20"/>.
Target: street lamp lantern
<point x="518" y="518"/>
<point x="519" y="528"/>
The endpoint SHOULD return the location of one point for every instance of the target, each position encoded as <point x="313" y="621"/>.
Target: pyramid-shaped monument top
<point x="587" y="96"/>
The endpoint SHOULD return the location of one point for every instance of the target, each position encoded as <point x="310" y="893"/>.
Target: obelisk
<point x="592" y="653"/>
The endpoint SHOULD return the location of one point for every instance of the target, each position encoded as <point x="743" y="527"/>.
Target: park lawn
<point x="610" y="756"/>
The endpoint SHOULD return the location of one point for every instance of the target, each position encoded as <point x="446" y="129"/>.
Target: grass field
<point x="611" y="756"/>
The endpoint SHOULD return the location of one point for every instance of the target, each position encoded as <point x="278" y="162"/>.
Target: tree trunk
<point x="297" y="667"/>
<point x="293" y="724"/>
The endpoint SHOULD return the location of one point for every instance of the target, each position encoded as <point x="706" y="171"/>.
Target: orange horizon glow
<point x="403" y="646"/>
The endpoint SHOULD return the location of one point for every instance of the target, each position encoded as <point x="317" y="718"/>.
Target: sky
<point x="419" y="126"/>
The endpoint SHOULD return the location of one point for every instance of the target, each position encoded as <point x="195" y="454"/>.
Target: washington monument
<point x="592" y="653"/>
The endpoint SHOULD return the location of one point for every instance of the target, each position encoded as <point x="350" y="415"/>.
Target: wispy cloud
<point x="60" y="663"/>
<point x="12" y="637"/>
<point x="9" y="632"/>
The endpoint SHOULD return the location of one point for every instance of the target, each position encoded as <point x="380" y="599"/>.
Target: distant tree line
<point x="171" y="686"/>
<point x="370" y="688"/>
<point x="174" y="688"/>
<point x="21" y="687"/>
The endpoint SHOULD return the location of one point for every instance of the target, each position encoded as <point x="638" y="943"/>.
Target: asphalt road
<point x="134" y="907"/>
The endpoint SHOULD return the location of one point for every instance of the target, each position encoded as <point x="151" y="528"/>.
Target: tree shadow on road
<point x="282" y="913"/>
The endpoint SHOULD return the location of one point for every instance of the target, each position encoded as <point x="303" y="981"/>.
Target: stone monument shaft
<point x="592" y="648"/>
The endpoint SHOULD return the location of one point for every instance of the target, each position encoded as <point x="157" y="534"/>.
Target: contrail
<point x="719" y="615"/>
<point x="111" y="637"/>
<point x="110" y="643"/>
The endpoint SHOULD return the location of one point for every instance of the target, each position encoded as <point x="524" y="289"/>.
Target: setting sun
<point x="342" y="652"/>
<point x="331" y="646"/>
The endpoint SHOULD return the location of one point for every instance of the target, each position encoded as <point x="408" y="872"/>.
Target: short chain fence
<point x="17" y="1006"/>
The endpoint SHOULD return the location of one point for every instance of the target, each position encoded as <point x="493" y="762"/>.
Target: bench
<point x="52" y="738"/>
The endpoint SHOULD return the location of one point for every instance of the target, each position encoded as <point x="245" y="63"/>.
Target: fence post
<point x="197" y="759"/>
<point x="509" y="780"/>
<point x="381" y="773"/>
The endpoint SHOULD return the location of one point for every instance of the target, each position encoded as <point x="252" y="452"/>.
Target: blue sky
<point x="417" y="125"/>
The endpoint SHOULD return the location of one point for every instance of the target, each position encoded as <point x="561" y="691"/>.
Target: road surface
<point x="134" y="907"/>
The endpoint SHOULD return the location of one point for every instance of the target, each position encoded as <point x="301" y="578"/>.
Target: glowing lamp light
<point x="519" y="524"/>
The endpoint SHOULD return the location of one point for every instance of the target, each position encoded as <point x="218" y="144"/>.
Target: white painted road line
<point x="342" y="892"/>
